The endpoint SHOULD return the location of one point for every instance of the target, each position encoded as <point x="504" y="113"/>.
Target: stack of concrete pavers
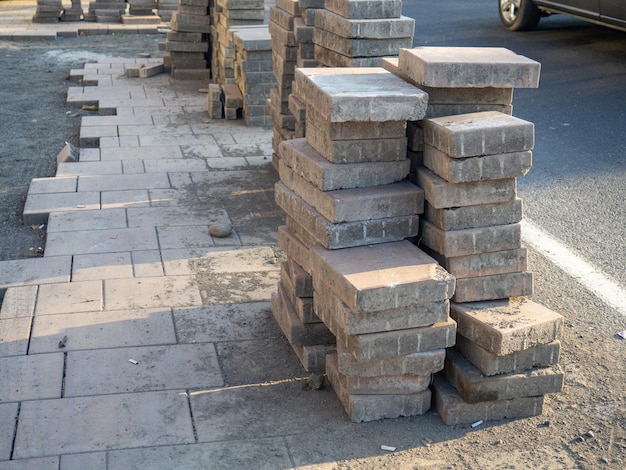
<point x="74" y="13"/>
<point x="141" y="12"/>
<point x="165" y="8"/>
<point x="349" y="211"/>
<point x="507" y="348"/>
<point x="304" y="26"/>
<point x="227" y="15"/>
<point x="48" y="11"/>
<point x="358" y="33"/>
<point x="253" y="72"/>
<point x="106" y="11"/>
<point x="188" y="43"/>
<point x="504" y="363"/>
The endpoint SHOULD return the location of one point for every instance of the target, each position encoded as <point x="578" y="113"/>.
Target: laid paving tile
<point x="38" y="206"/>
<point x="71" y="297"/>
<point x="218" y="323"/>
<point x="92" y="330"/>
<point x="115" y="120"/>
<point x="86" y="220"/>
<point x="147" y="263"/>
<point x="18" y="302"/>
<point x="133" y="167"/>
<point x="109" y="371"/>
<point x="44" y="463"/>
<point x="195" y="236"/>
<point x="172" y="197"/>
<point x="209" y="150"/>
<point x="14" y="334"/>
<point x="88" y="168"/>
<point x="123" y="199"/>
<point x="101" y="266"/>
<point x="122" y="182"/>
<point x="101" y="241"/>
<point x="91" y="461"/>
<point x="271" y="453"/>
<point x="59" y="184"/>
<point x="33" y="377"/>
<point x="144" y="152"/>
<point x="248" y="412"/>
<point x="48" y="427"/>
<point x="170" y="216"/>
<point x="46" y="270"/>
<point x="172" y="164"/>
<point x="172" y="291"/>
<point x="8" y="414"/>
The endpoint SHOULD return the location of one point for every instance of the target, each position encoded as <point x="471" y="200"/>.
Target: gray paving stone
<point x="248" y="412"/>
<point x="122" y="182"/>
<point x="355" y="130"/>
<point x="14" y="335"/>
<point x="108" y="371"/>
<point x="380" y="28"/>
<point x="135" y="420"/>
<point x="91" y="461"/>
<point x="145" y="152"/>
<point x="18" y="302"/>
<point x="381" y="277"/>
<point x="38" y="206"/>
<point x="483" y="215"/>
<point x="484" y="264"/>
<point x="441" y="194"/>
<point x="46" y="270"/>
<point x="93" y="330"/>
<point x="88" y="168"/>
<point x="147" y="263"/>
<point x="101" y="241"/>
<point x="44" y="463"/>
<point x="164" y="165"/>
<point x="507" y="326"/>
<point x="58" y="184"/>
<point x="496" y="286"/>
<point x="352" y="205"/>
<point x="171" y="216"/>
<point x="8" y="415"/>
<point x="72" y="297"/>
<point x="475" y="67"/>
<point x="196" y="236"/>
<point x="33" y="377"/>
<point x="365" y="8"/>
<point x="124" y="198"/>
<point x="101" y="266"/>
<point x="224" y="323"/>
<point x="270" y="453"/>
<point x="365" y="47"/>
<point x="361" y="94"/>
<point x="171" y="291"/>
<point x="86" y="220"/>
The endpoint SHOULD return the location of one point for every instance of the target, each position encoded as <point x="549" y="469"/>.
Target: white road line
<point x="593" y="279"/>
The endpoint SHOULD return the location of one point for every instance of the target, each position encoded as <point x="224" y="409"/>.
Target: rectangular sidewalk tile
<point x="115" y="121"/>
<point x="101" y="241"/>
<point x="122" y="182"/>
<point x="138" y="327"/>
<point x="46" y="270"/>
<point x="249" y="412"/>
<point x="39" y="206"/>
<point x="43" y="463"/>
<point x="173" y="291"/>
<point x="144" y="152"/>
<point x="173" y="216"/>
<point x="108" y="371"/>
<point x="131" y="420"/>
<point x="147" y="263"/>
<point x="14" y="334"/>
<point x="8" y="413"/>
<point x="208" y="150"/>
<point x="87" y="220"/>
<point x="195" y="236"/>
<point x="58" y="184"/>
<point x="33" y="377"/>
<point x="72" y="297"/>
<point x="88" y="168"/>
<point x="174" y="164"/>
<point x="91" y="461"/>
<point x="101" y="266"/>
<point x="18" y="302"/>
<point x="126" y="198"/>
<point x="272" y="452"/>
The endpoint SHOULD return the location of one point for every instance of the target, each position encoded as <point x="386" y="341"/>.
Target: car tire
<point x="518" y="15"/>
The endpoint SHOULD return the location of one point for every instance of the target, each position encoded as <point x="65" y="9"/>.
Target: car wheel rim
<point x="510" y="9"/>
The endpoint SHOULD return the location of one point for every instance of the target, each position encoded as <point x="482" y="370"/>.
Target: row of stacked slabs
<point x="348" y="213"/>
<point x="468" y="164"/>
<point x="141" y="12"/>
<point x="106" y="11"/>
<point x="188" y="43"/>
<point x="230" y="15"/>
<point x="74" y="13"/>
<point x="359" y="33"/>
<point x="48" y="11"/>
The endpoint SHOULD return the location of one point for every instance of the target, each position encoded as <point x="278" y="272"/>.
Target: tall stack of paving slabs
<point x="467" y="156"/>
<point x="349" y="213"/>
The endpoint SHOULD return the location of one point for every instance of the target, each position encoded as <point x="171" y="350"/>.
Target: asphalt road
<point x="576" y="190"/>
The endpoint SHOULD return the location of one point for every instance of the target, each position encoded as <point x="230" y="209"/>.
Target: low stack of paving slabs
<point x="358" y="33"/>
<point x="507" y="347"/>
<point x="348" y="213"/>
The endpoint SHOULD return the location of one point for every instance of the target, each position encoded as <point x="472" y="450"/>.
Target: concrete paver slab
<point x="173" y="291"/>
<point x="18" y="302"/>
<point x="86" y="220"/>
<point x="123" y="199"/>
<point x="109" y="371"/>
<point x="141" y="153"/>
<point x="266" y="454"/>
<point x="51" y="427"/>
<point x="35" y="271"/>
<point x="173" y="164"/>
<point x="8" y="414"/>
<point x="14" y="334"/>
<point x="72" y="297"/>
<point x="172" y="197"/>
<point x="101" y="241"/>
<point x="164" y="216"/>
<point x="38" y="206"/>
<point x="32" y="377"/>
<point x="91" y="461"/>
<point x="45" y="463"/>
<point x="101" y="266"/>
<point x="93" y="330"/>
<point x="87" y="168"/>
<point x="59" y="184"/>
<point x="196" y="236"/>
<point x="147" y="263"/>
<point x="122" y="182"/>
